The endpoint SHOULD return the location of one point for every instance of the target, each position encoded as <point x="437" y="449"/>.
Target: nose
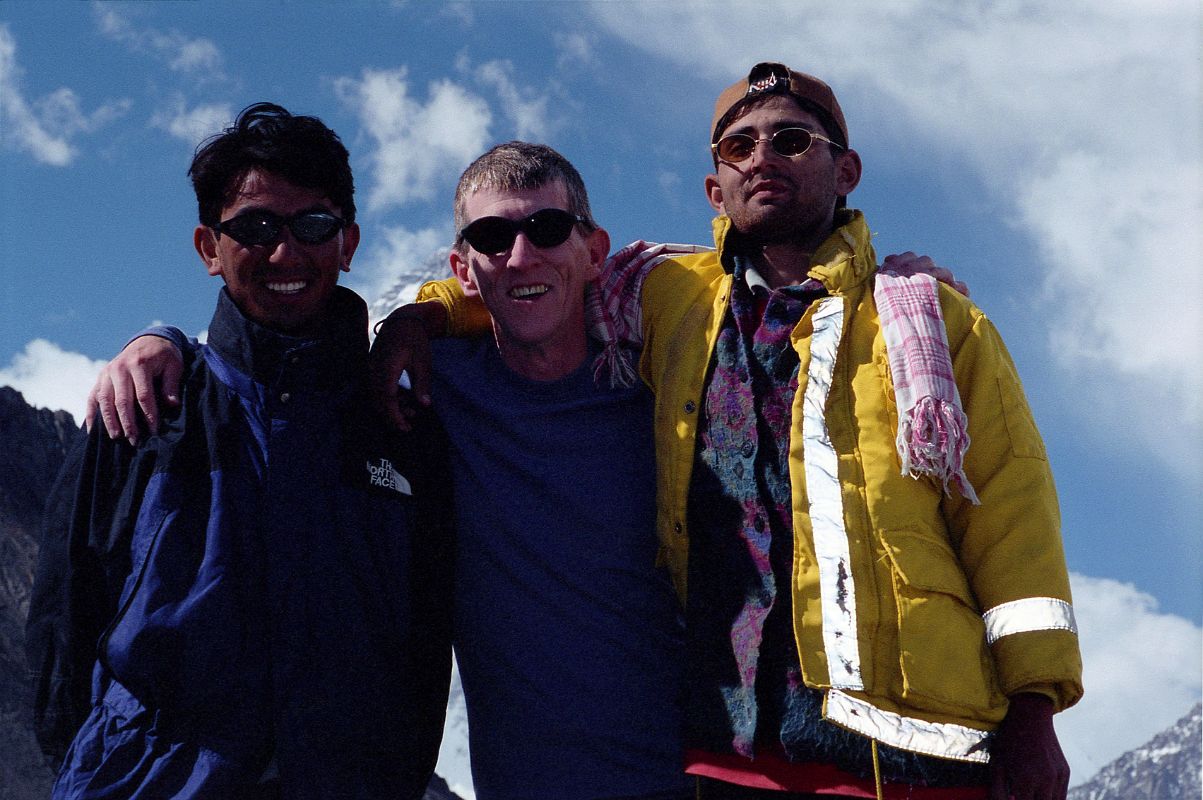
<point x="522" y="253"/>
<point x="762" y="151"/>
<point x="285" y="249"/>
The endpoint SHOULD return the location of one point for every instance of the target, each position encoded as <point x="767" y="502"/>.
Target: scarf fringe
<point x="615" y="362"/>
<point x="932" y="440"/>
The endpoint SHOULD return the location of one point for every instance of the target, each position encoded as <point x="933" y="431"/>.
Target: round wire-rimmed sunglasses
<point x="788" y="142"/>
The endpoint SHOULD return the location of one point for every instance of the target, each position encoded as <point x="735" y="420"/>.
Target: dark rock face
<point x="1167" y="768"/>
<point x="33" y="444"/>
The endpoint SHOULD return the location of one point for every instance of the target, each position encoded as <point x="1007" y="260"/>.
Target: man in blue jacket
<point x="253" y="603"/>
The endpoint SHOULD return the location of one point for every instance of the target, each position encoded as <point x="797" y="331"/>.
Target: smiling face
<point x="284" y="285"/>
<point x="772" y="198"/>
<point x="535" y="295"/>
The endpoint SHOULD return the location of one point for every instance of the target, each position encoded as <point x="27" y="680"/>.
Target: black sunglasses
<point x="253" y="228"/>
<point x="548" y="227"/>
<point x="788" y="142"/>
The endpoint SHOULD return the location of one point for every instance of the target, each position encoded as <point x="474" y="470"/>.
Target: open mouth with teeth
<point x="286" y="287"/>
<point x="529" y="292"/>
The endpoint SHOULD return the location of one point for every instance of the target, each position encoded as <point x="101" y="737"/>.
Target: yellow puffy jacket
<point x="919" y="613"/>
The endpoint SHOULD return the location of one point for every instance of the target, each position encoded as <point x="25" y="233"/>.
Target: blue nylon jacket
<point x="263" y="586"/>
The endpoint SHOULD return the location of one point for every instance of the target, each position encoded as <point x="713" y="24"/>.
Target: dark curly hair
<point x="266" y="136"/>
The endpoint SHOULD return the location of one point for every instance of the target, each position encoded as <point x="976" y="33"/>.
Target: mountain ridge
<point x="1167" y="767"/>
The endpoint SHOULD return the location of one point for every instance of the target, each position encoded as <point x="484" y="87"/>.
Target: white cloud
<point x="525" y="107"/>
<point x="50" y="377"/>
<point x="193" y="125"/>
<point x="45" y="127"/>
<point x="193" y="54"/>
<point x="573" y="51"/>
<point x="462" y="13"/>
<point x="417" y="148"/>
<point x="1083" y="118"/>
<point x="197" y="56"/>
<point x="1142" y="672"/>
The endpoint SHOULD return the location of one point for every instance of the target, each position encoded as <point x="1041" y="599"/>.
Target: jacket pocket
<point x="1021" y="427"/>
<point x="945" y="664"/>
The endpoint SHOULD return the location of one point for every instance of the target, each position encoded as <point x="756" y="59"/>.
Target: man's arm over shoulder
<point x="143" y="376"/>
<point x="466" y="316"/>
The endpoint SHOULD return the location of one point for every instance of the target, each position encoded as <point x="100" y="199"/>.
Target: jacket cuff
<point x="1046" y="662"/>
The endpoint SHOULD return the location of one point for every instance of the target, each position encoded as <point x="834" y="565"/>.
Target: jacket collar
<point x="335" y="356"/>
<point x="845" y="260"/>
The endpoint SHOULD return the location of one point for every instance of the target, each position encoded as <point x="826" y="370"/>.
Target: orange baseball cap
<point x="771" y="77"/>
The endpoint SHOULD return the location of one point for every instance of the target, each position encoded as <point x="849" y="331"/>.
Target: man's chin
<point x="289" y="321"/>
<point x="769" y="231"/>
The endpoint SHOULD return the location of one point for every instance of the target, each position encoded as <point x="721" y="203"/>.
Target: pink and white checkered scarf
<point x="932" y="428"/>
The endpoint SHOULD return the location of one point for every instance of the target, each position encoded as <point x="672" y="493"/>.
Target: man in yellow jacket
<point x="843" y="554"/>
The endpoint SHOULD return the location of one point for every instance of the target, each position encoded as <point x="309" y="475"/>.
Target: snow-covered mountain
<point x="1168" y="767"/>
<point x="408" y="280"/>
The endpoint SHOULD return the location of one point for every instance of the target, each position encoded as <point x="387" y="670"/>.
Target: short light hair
<point x="520" y="165"/>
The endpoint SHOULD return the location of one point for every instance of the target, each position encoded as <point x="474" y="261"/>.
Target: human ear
<point x="847" y="172"/>
<point x="714" y="193"/>
<point x="463" y="273"/>
<point x="350" y="242"/>
<point x="599" y="249"/>
<point x="204" y="239"/>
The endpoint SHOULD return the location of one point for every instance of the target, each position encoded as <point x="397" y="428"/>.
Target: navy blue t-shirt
<point x="568" y="638"/>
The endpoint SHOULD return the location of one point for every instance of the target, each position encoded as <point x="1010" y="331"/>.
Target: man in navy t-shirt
<point x="567" y="635"/>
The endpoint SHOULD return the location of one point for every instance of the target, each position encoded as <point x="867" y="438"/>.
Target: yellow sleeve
<point x="466" y="316"/>
<point x="1010" y="546"/>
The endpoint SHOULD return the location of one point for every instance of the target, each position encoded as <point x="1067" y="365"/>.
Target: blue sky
<point x="1050" y="154"/>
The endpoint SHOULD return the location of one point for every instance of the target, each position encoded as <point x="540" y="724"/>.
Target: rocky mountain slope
<point x="35" y="441"/>
<point x="1168" y="767"/>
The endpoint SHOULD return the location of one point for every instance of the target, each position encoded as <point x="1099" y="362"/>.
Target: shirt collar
<point x="330" y="359"/>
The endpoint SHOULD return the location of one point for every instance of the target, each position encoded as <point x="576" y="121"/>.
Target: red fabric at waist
<point x="769" y="771"/>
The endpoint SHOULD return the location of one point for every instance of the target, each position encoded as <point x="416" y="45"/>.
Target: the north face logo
<point x="383" y="474"/>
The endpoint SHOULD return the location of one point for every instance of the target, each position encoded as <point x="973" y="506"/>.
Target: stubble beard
<point x="797" y="224"/>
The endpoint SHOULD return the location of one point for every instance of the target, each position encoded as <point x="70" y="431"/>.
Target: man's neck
<point x="782" y="264"/>
<point x="544" y="362"/>
<point x="786" y="263"/>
